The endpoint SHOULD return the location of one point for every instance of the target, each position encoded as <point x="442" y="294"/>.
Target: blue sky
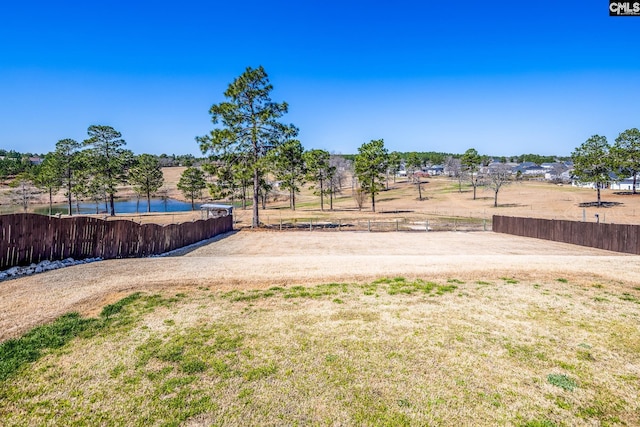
<point x="503" y="77"/>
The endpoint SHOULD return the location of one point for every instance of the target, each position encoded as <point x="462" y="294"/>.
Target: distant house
<point x="626" y="184"/>
<point x="36" y="160"/>
<point x="612" y="178"/>
<point x="580" y="184"/>
<point x="499" y="165"/>
<point x="557" y="171"/>
<point x="434" y="170"/>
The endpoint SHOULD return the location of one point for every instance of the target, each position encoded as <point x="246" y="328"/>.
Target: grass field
<point x="338" y="328"/>
<point x="497" y="351"/>
<point x="301" y="328"/>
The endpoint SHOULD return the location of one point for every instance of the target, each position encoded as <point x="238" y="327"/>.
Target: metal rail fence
<point x="612" y="237"/>
<point x="31" y="238"/>
<point x="374" y="225"/>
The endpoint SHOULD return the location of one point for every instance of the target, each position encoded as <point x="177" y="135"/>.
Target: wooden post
<point x="369" y="225"/>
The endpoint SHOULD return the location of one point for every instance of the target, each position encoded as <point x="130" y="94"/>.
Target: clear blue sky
<point x="503" y="77"/>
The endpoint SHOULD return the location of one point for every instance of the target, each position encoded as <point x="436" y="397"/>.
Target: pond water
<point x="123" y="206"/>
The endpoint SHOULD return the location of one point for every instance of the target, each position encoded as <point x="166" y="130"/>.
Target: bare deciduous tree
<point x="23" y="191"/>
<point x="360" y="196"/>
<point x="498" y="176"/>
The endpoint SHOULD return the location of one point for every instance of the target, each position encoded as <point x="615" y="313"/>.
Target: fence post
<point x="280" y="224"/>
<point x="339" y="224"/>
<point x="455" y="225"/>
<point x="484" y="224"/>
<point x="369" y="225"/>
<point x="310" y="224"/>
<point x="396" y="225"/>
<point x="426" y="225"/>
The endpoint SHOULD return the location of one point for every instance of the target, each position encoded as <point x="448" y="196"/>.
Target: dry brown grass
<point x="378" y="353"/>
<point x="263" y="259"/>
<point x="442" y="199"/>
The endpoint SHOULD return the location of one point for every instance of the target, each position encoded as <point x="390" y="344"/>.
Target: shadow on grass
<point x="396" y="211"/>
<point x="601" y="205"/>
<point x="187" y="249"/>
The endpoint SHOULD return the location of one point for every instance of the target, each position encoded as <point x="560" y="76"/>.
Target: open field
<point x="342" y="328"/>
<point x="442" y="200"/>
<point x="270" y="328"/>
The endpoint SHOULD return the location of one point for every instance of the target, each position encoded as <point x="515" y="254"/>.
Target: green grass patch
<point x="539" y="423"/>
<point x="562" y="381"/>
<point x="111" y="309"/>
<point x="525" y="352"/>
<point x="629" y="297"/>
<point x="16" y="353"/>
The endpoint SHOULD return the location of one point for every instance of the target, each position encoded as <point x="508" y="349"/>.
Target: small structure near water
<point x="210" y="210"/>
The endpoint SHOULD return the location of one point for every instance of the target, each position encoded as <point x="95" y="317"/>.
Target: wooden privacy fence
<point x="612" y="237"/>
<point x="31" y="238"/>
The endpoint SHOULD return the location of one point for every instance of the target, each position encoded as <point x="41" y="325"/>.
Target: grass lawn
<point x="501" y="350"/>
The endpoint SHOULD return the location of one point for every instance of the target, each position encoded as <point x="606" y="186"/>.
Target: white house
<point x="626" y="184"/>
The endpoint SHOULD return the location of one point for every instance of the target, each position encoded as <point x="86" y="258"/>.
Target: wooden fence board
<point x="31" y="238"/>
<point x="612" y="237"/>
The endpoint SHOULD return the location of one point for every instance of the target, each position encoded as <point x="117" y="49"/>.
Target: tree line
<point x="12" y="163"/>
<point x="91" y="169"/>
<point x="250" y="150"/>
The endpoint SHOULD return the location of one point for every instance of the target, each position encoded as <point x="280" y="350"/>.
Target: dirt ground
<point x="252" y="260"/>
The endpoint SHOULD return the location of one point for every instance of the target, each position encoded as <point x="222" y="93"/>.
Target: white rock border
<point x="41" y="267"/>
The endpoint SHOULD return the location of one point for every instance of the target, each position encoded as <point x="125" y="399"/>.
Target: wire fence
<point x="374" y="225"/>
